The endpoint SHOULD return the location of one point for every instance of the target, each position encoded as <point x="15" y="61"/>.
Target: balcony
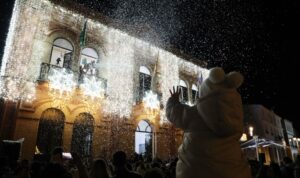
<point x="66" y="80"/>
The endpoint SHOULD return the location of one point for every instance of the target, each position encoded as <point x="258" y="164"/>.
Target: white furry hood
<point x="220" y="104"/>
<point x="218" y="80"/>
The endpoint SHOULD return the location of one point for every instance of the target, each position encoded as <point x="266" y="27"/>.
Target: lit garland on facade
<point x="10" y="36"/>
<point x="93" y="87"/>
<point x="16" y="89"/>
<point x="61" y="80"/>
<point x="118" y="65"/>
<point x="151" y="100"/>
<point x="119" y="74"/>
<point x="29" y="45"/>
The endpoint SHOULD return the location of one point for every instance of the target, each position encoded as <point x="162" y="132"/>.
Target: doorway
<point x="143" y="138"/>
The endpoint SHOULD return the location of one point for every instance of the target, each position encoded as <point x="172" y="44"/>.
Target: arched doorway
<point x="82" y="136"/>
<point x="143" y="138"/>
<point x="50" y="130"/>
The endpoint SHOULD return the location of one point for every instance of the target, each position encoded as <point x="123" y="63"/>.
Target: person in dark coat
<point x="121" y="171"/>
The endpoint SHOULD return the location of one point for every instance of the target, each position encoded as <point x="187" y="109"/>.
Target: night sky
<point x="259" y="38"/>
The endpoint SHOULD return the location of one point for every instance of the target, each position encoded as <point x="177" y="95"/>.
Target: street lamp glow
<point x="251" y="131"/>
<point x="243" y="138"/>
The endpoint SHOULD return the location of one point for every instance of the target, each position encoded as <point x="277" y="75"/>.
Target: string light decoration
<point x="26" y="48"/>
<point x="61" y="80"/>
<point x="119" y="73"/>
<point x="118" y="65"/>
<point x="93" y="87"/>
<point x="151" y="100"/>
<point x="10" y="36"/>
<point x="15" y="89"/>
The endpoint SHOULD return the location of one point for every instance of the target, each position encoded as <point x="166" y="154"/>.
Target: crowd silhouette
<point x="121" y="166"/>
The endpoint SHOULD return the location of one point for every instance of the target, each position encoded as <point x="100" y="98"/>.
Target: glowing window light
<point x="151" y="100"/>
<point x="92" y="87"/>
<point x="61" y="80"/>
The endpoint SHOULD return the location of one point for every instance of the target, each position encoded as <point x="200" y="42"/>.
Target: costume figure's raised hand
<point x="175" y="93"/>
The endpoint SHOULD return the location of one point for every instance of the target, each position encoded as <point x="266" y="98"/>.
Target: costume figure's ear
<point x="234" y="79"/>
<point x="216" y="75"/>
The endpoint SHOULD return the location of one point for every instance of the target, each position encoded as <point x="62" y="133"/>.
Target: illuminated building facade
<point x="72" y="78"/>
<point x="265" y="134"/>
<point x="292" y="142"/>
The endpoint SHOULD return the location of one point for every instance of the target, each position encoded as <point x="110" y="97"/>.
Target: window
<point x="194" y="93"/>
<point x="61" y="54"/>
<point x="88" y="61"/>
<point x="184" y="92"/>
<point x="50" y="130"/>
<point x="83" y="134"/>
<point x="145" y="81"/>
<point x="143" y="138"/>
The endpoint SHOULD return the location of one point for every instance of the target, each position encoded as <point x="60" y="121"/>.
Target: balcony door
<point x="61" y="54"/>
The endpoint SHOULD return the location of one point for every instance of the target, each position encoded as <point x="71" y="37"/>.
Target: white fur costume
<point x="212" y="127"/>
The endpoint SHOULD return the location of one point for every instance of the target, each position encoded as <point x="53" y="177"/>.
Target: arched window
<point x="194" y="93"/>
<point x="143" y="138"/>
<point x="61" y="55"/>
<point x="184" y="91"/>
<point x="82" y="136"/>
<point x="88" y="61"/>
<point x="50" y="130"/>
<point x="145" y="81"/>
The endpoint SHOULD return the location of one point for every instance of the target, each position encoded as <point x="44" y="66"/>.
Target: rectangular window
<point x="184" y="95"/>
<point x="194" y="96"/>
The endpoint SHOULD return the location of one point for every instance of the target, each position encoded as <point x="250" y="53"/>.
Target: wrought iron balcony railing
<point x="48" y="71"/>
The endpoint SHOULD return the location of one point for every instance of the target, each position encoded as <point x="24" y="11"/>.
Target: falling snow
<point x="237" y="35"/>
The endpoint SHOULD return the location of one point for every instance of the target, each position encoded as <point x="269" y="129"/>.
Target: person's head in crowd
<point x="99" y="169"/>
<point x="119" y="159"/>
